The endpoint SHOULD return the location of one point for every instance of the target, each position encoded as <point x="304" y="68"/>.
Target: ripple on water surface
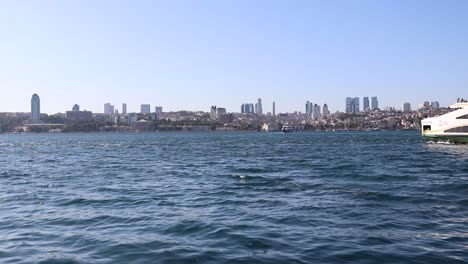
<point x="370" y="197"/>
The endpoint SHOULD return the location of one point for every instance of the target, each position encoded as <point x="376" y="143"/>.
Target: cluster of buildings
<point x="314" y="111"/>
<point x="251" y="117"/>
<point x="353" y="106"/>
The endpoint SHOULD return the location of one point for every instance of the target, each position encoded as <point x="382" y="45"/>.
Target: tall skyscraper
<point x="247" y="108"/>
<point x="316" y="111"/>
<point x="352" y="105"/>
<point x="158" y="109"/>
<point x="76" y="108"/>
<point x="124" y="108"/>
<point x="325" y="111"/>
<point x="274" y="110"/>
<point x="356" y="105"/>
<point x="375" y="103"/>
<point x="108" y="109"/>
<point x="35" y="109"/>
<point x="435" y="104"/>
<point x="349" y="105"/>
<point x="365" y="104"/>
<point x="309" y="108"/>
<point x="145" y="108"/>
<point x="259" y="107"/>
<point x="407" y="107"/>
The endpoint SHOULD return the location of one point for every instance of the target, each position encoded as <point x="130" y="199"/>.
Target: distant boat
<point x="287" y="129"/>
<point x="451" y="127"/>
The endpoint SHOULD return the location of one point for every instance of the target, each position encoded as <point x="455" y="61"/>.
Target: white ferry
<point x="451" y="127"/>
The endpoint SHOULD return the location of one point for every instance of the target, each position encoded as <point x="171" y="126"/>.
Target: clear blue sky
<point x="194" y="54"/>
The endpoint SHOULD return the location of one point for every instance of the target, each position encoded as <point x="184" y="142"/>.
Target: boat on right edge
<point x="450" y="127"/>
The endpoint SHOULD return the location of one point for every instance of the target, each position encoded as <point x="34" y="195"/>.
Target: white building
<point x="35" y="109"/>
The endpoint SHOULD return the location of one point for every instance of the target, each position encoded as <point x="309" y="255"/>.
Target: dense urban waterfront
<point x="323" y="197"/>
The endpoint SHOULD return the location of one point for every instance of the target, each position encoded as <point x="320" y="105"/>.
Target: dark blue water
<point x="361" y="197"/>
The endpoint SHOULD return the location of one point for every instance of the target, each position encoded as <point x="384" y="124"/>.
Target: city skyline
<point x="191" y="55"/>
<point x="352" y="105"/>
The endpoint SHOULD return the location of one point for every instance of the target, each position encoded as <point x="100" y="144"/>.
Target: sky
<point x="191" y="54"/>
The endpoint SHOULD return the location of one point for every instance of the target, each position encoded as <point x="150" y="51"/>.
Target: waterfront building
<point x="325" y="111"/>
<point x="145" y="109"/>
<point x="108" y="109"/>
<point x="316" y="111"/>
<point x="124" y="108"/>
<point x="35" y="109"/>
<point x="76" y="108"/>
<point x="258" y="107"/>
<point x="365" y="104"/>
<point x="375" y="103"/>
<point x="406" y="107"/>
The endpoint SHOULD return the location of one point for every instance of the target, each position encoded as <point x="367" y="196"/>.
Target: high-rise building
<point x="325" y="111"/>
<point x="158" y="109"/>
<point x="145" y="109"/>
<point x="435" y="104"/>
<point x="35" y="109"/>
<point x="247" y="108"/>
<point x="309" y="108"/>
<point x="259" y="107"/>
<point x="407" y="107"/>
<point x="124" y="108"/>
<point x="356" y="104"/>
<point x="349" y="105"/>
<point x="76" y="108"/>
<point x="274" y="110"/>
<point x="213" y="112"/>
<point x="316" y="111"/>
<point x="375" y="103"/>
<point x="365" y="103"/>
<point x="108" y="109"/>
<point x="352" y="105"/>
